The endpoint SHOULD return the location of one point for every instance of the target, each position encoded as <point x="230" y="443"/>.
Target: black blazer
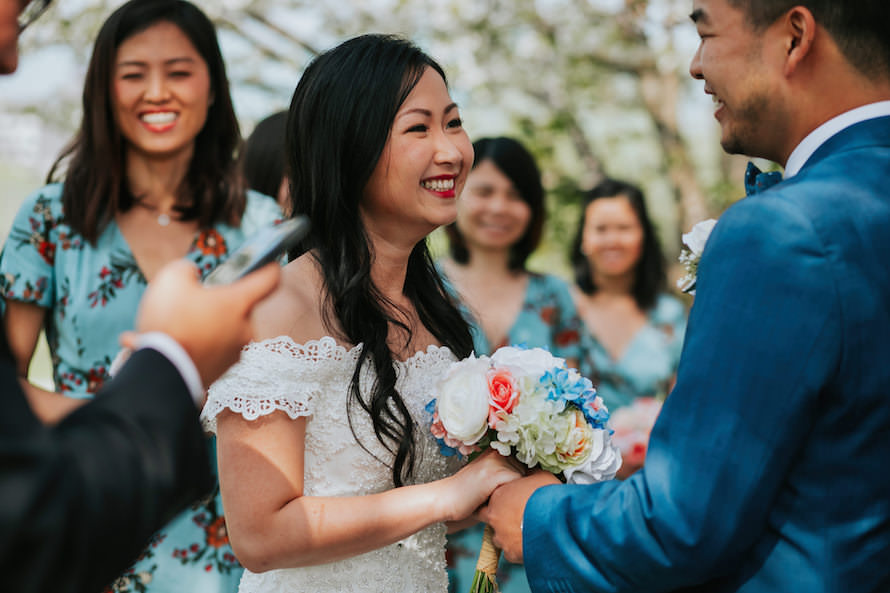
<point x="79" y="501"/>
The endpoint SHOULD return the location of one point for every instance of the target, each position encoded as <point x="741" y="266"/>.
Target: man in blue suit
<point x="766" y="470"/>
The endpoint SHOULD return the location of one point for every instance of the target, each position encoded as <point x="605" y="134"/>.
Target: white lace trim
<point x="250" y="408"/>
<point x="278" y="374"/>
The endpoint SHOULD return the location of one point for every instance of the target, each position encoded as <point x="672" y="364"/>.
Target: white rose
<point x="603" y="463"/>
<point x="696" y="238"/>
<point x="533" y="361"/>
<point x="463" y="400"/>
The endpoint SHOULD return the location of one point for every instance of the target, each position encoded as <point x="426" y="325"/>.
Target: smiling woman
<point x="161" y="92"/>
<point x="331" y="480"/>
<point x="499" y="224"/>
<point x="149" y="178"/>
<point x="634" y="328"/>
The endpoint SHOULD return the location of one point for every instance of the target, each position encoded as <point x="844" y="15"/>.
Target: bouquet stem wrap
<point x="485" y="580"/>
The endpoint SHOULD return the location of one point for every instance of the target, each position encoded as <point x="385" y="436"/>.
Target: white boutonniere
<point x="690" y="255"/>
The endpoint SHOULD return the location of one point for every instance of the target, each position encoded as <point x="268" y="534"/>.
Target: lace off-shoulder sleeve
<point x="270" y="376"/>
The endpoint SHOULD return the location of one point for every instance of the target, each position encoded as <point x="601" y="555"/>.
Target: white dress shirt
<point x="820" y="135"/>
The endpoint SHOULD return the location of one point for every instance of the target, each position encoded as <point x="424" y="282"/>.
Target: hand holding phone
<point x="265" y="246"/>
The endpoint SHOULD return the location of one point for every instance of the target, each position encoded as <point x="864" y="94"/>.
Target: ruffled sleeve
<point x="260" y="212"/>
<point x="27" y="271"/>
<point x="267" y="379"/>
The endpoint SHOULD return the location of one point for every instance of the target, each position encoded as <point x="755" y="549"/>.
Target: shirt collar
<point x="820" y="135"/>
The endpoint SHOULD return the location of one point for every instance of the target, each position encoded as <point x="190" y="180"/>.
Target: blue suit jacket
<point x="768" y="467"/>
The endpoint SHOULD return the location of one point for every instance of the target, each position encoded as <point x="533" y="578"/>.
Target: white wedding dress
<point x="312" y="380"/>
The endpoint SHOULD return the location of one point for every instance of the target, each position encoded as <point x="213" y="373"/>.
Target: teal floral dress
<point x="548" y="319"/>
<point x="92" y="294"/>
<point x="648" y="364"/>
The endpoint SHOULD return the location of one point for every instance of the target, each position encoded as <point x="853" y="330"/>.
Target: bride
<point x="330" y="478"/>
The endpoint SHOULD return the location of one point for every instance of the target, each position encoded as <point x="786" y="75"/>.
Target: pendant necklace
<point x="163" y="218"/>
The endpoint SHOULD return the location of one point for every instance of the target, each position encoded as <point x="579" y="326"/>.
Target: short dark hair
<point x="263" y="161"/>
<point x="650" y="273"/>
<point x="95" y="176"/>
<point x="339" y="121"/>
<point x="861" y="28"/>
<point x="518" y="164"/>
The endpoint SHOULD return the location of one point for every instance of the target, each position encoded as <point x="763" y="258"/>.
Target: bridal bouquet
<point x="526" y="403"/>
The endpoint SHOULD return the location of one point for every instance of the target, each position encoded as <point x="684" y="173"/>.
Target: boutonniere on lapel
<point x="690" y="255"/>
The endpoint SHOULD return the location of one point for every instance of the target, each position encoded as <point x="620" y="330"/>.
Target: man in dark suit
<point x="79" y="500"/>
<point x="766" y="470"/>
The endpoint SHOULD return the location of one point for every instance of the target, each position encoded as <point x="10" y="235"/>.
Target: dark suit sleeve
<point x="80" y="500"/>
<point x="762" y="339"/>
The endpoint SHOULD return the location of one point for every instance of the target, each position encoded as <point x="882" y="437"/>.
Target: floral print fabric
<point x="648" y="364"/>
<point x="92" y="295"/>
<point x="547" y="320"/>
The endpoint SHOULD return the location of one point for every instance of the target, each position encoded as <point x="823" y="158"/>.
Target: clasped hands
<point x="505" y="510"/>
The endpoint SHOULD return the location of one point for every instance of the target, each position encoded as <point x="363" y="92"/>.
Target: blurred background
<point x="592" y="87"/>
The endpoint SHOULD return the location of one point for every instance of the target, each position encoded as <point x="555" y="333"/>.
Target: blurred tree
<point x="593" y="87"/>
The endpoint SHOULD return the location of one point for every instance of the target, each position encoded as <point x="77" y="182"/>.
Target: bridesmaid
<point x="634" y="327"/>
<point x="151" y="177"/>
<point x="500" y="218"/>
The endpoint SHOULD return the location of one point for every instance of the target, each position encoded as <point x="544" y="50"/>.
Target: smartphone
<point x="267" y="245"/>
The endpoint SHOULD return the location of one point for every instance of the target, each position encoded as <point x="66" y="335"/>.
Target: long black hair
<point x="338" y="124"/>
<point x="264" y="156"/>
<point x="95" y="177"/>
<point x="519" y="166"/>
<point x="650" y="275"/>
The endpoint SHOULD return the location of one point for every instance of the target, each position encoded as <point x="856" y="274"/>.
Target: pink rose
<point x="439" y="432"/>
<point x="437" y="428"/>
<point x="502" y="394"/>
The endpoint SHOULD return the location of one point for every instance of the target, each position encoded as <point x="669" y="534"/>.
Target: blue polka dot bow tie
<point x="757" y="181"/>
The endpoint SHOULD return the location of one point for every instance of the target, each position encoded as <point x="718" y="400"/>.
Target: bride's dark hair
<point x="338" y="124"/>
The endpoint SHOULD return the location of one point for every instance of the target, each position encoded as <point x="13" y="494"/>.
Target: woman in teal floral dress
<point x="499" y="223"/>
<point x="150" y="177"/>
<point x="634" y="327"/>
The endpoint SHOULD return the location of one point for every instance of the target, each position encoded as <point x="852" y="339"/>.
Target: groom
<point x="767" y="469"/>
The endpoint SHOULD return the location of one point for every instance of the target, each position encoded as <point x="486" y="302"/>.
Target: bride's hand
<point x="469" y="488"/>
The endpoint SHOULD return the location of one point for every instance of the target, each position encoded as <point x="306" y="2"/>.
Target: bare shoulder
<point x="294" y="309"/>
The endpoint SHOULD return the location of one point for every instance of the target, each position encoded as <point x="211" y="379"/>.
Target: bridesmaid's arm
<point x="23" y="323"/>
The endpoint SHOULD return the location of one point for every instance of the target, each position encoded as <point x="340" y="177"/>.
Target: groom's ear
<point x="799" y="31"/>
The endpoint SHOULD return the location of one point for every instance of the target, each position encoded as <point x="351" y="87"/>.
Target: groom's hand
<point x="505" y="509"/>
